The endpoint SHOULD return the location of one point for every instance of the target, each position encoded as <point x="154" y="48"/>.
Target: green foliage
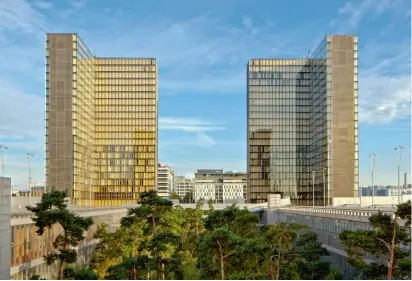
<point x="160" y="241"/>
<point x="53" y="210"/>
<point x="334" y="274"/>
<point x="360" y="244"/>
<point x="403" y="211"/>
<point x="79" y="274"/>
<point x="36" y="277"/>
<point x="174" y="196"/>
<point x="188" y="197"/>
<point x="216" y="246"/>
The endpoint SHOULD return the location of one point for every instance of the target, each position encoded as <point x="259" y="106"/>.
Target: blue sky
<point x="202" y="48"/>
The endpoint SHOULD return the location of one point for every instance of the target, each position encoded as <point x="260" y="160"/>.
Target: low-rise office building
<point x="184" y="188"/>
<point x="219" y="186"/>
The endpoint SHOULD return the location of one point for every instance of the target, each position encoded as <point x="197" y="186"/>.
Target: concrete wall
<point x="328" y="223"/>
<point x="367" y="200"/>
<point x="23" y="201"/>
<point x="5" y="228"/>
<point x="27" y="258"/>
<point x="59" y="123"/>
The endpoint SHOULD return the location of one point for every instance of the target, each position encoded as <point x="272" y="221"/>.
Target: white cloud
<point x="187" y="124"/>
<point x="384" y="98"/>
<point x="21" y="114"/>
<point x="205" y="139"/>
<point x="385" y="83"/>
<point x="19" y="15"/>
<point x="42" y="4"/>
<point x="356" y="11"/>
<point x="247" y="22"/>
<point x="191" y="125"/>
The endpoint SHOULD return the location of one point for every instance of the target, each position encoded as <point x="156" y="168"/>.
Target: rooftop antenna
<point x="307" y="57"/>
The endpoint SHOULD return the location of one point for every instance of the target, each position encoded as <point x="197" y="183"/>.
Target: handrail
<point x="336" y="211"/>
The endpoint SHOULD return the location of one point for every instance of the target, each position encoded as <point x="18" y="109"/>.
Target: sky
<point x="202" y="48"/>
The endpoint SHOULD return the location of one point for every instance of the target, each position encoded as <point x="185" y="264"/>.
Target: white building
<point x="183" y="186"/>
<point x="165" y="180"/>
<point x="219" y="186"/>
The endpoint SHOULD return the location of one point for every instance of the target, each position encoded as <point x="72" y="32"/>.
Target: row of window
<point x="278" y="82"/>
<point x="123" y="75"/>
<point x="124" y="88"/>
<point x="123" y="81"/>
<point x="125" y="61"/>
<point x="124" y="68"/>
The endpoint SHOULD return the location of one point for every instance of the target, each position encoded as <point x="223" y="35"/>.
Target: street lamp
<point x="399" y="158"/>
<point x="29" y="156"/>
<point x="372" y="157"/>
<point x="313" y="188"/>
<point x="324" y="186"/>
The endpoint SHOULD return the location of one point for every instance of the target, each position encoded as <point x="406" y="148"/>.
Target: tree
<point x="217" y="246"/>
<point x="162" y="247"/>
<point x="177" y="243"/>
<point x="138" y="267"/>
<point x="79" y="274"/>
<point x="36" y="277"/>
<point x="210" y="203"/>
<point x="148" y="241"/>
<point x="175" y="196"/>
<point x="188" y="197"/>
<point x="334" y="274"/>
<point x="152" y="207"/>
<point x="279" y="240"/>
<point x="53" y="210"/>
<point x="220" y="218"/>
<point x="384" y="242"/>
<point x="310" y="250"/>
<point x="115" y="247"/>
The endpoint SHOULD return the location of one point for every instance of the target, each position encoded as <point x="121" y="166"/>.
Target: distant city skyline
<point x="202" y="54"/>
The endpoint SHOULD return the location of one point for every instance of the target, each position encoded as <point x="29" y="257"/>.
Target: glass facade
<point x="289" y="111"/>
<point x="101" y="123"/>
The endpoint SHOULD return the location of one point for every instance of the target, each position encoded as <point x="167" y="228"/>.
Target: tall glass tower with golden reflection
<point x="101" y="123"/>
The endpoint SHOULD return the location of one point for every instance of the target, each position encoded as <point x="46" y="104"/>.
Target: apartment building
<point x="165" y="176"/>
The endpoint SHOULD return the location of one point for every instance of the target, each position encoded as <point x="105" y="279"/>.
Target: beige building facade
<point x="101" y="123"/>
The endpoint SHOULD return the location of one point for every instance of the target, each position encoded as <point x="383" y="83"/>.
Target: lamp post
<point x="29" y="156"/>
<point x="372" y="157"/>
<point x="313" y="188"/>
<point x="324" y="186"/>
<point x="360" y="194"/>
<point x="399" y="158"/>
<point x="2" y="157"/>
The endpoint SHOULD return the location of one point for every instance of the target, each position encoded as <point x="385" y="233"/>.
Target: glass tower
<point x="302" y="125"/>
<point x="101" y="123"/>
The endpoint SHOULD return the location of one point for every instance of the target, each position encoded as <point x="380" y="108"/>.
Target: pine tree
<point x="53" y="210"/>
